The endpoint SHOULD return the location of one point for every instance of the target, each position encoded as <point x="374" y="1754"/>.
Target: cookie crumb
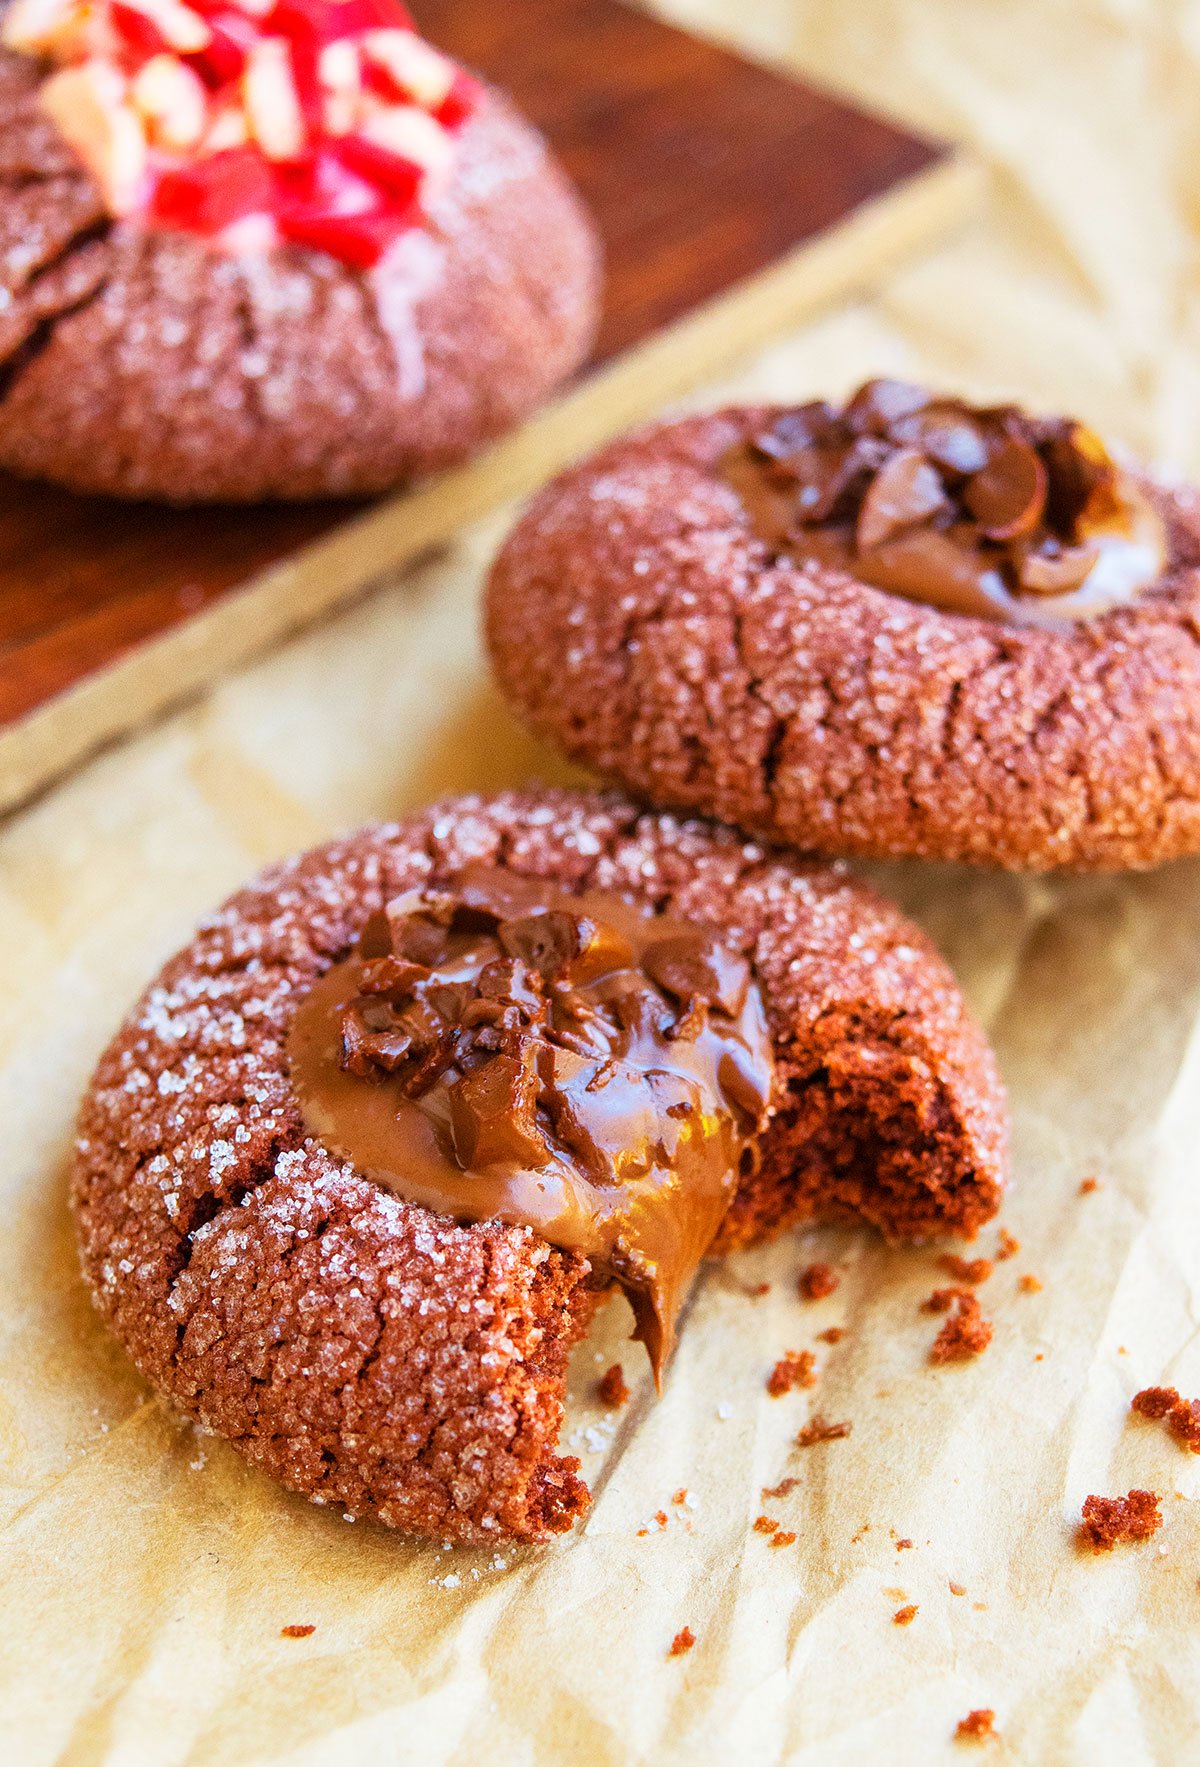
<point x="765" y="1525"/>
<point x="1107" y="1520"/>
<point x="781" y="1489"/>
<point x="612" y="1388"/>
<point x="795" y="1368"/>
<point x="296" y="1631"/>
<point x="682" y="1642"/>
<point x="966" y="1332"/>
<point x="904" y="1616"/>
<point x="1007" y="1246"/>
<point x="904" y="1546"/>
<point x="977" y="1726"/>
<point x="833" y="1334"/>
<point x="957" y="1589"/>
<point x="681" y="1496"/>
<point x="783" y="1539"/>
<point x="1182" y="1416"/>
<point x="1030" y="1285"/>
<point x="965" y="1269"/>
<point x="818" y="1281"/>
<point x="817" y="1430"/>
<point x="1089" y="1185"/>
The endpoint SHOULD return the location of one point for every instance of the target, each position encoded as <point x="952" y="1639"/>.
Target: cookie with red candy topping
<point x="899" y="627"/>
<point x="257" y="249"/>
<point x="375" y="1355"/>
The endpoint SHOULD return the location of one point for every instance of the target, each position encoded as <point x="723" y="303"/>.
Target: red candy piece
<point x="461" y="102"/>
<point x="360" y="240"/>
<point x="233" y="35"/>
<point x="139" y="35"/>
<point x="212" y="193"/>
<point x="327" y="21"/>
<point x="398" y="178"/>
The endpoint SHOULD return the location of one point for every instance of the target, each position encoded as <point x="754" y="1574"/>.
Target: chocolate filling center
<point x="503" y="1049"/>
<point x="984" y="511"/>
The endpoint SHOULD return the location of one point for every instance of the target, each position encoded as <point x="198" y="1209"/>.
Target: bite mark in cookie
<point x="640" y="617"/>
<point x="371" y="1353"/>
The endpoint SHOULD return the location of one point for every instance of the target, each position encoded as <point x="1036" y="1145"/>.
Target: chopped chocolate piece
<point x="833" y="1334"/>
<point x="682" y="1642"/>
<point x="977" y="1726"/>
<point x="817" y="1281"/>
<point x="878" y="404"/>
<point x="612" y="1388"/>
<point x="1088" y="1185"/>
<point x="817" y="1430"/>
<point x="296" y="1631"/>
<point x="518" y="1052"/>
<point x="796" y="1369"/>
<point x="1007" y="1247"/>
<point x="1107" y="1520"/>
<point x="691" y="967"/>
<point x="493" y="1116"/>
<point x="904" y="1616"/>
<point x="783" y="1538"/>
<point x="1030" y="1285"/>
<point x="906" y="491"/>
<point x="764" y="1524"/>
<point x="978" y="511"/>
<point x="904" y="1546"/>
<point x="1007" y="497"/>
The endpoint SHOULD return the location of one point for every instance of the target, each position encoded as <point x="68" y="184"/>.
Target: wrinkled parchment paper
<point x="146" y="1573"/>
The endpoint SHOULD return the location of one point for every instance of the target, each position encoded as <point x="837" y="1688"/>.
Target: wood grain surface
<point x="703" y="171"/>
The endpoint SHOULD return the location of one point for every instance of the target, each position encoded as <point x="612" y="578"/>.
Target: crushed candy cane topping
<point x="328" y="124"/>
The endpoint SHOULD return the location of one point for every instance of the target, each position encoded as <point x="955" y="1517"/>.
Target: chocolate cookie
<point x="304" y="299"/>
<point x="901" y="627"/>
<point x="644" y="1035"/>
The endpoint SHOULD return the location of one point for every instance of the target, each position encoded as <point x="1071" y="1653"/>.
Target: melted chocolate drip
<point x="978" y="510"/>
<point x="567" y="1063"/>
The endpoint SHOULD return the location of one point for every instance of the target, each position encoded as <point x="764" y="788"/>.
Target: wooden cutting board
<point x="733" y="200"/>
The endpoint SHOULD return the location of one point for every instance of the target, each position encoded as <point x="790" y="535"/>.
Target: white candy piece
<point x="228" y="130"/>
<point x="273" y="112"/>
<point x="339" y="70"/>
<point x="413" y="135"/>
<point x="171" y="101"/>
<point x="415" y="66"/>
<point x="90" y="107"/>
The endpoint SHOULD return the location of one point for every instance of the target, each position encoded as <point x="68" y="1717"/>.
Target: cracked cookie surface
<point x="142" y="363"/>
<point x="382" y="1358"/>
<point x="636" y="620"/>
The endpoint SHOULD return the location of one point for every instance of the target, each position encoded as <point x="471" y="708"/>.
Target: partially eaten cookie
<point x="357" y="1172"/>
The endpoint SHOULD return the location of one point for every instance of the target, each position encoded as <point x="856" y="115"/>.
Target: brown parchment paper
<point x="145" y="1574"/>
